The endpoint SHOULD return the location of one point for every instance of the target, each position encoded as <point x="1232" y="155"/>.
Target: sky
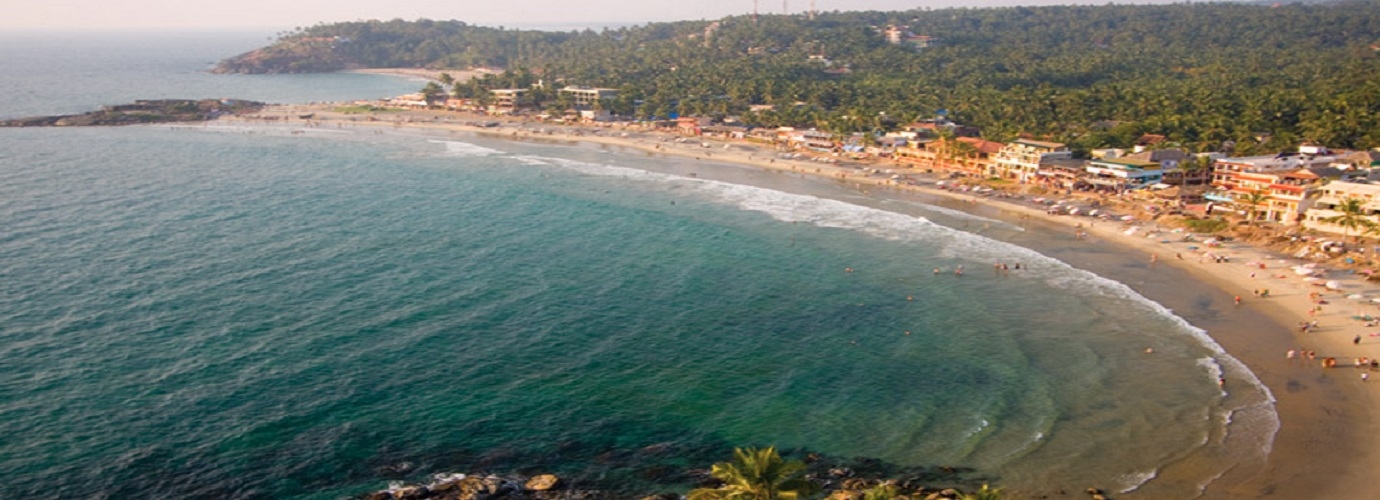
<point x="536" y="14"/>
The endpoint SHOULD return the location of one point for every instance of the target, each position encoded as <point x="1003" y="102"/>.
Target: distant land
<point x="1259" y="78"/>
<point x="143" y="112"/>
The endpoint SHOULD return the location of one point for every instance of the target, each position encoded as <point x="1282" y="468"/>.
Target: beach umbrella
<point x="1356" y="296"/>
<point x="1127" y="218"/>
<point x="1311" y="279"/>
<point x="1333" y="285"/>
<point x="1302" y="271"/>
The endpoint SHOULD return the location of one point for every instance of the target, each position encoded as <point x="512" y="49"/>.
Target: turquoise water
<point x="266" y="312"/>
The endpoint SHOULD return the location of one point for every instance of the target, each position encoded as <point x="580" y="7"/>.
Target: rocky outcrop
<point x="476" y="487"/>
<point x="542" y="482"/>
<point x="143" y="112"/>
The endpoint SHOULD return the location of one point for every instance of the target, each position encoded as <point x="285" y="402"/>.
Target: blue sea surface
<point x="263" y="311"/>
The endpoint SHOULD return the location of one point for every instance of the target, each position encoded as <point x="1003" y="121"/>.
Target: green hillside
<point x="1093" y="76"/>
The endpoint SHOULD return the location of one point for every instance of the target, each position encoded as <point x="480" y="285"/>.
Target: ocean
<point x="268" y="312"/>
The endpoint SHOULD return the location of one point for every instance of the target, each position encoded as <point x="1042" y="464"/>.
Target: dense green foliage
<point x="1092" y="76"/>
<point x="757" y="474"/>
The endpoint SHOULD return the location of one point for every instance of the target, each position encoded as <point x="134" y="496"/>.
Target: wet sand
<point x="1327" y="415"/>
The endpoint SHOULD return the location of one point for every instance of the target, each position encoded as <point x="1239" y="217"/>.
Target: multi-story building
<point x="1284" y="180"/>
<point x="814" y="140"/>
<point x="1020" y="160"/>
<point x="1330" y="196"/>
<point x="508" y="100"/>
<point x="586" y="96"/>
<point x="1123" y="174"/>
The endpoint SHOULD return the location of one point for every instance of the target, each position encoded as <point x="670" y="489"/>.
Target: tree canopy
<point x="1263" y="77"/>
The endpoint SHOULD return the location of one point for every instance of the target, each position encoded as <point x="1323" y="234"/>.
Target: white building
<point x="1331" y="195"/>
<point x="587" y="96"/>
<point x="1020" y="160"/>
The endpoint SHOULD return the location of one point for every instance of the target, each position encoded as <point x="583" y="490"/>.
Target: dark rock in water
<point x="656" y="449"/>
<point x="840" y="472"/>
<point x="143" y="112"/>
<point x="663" y="474"/>
<point x="413" y="493"/>
<point x="857" y="483"/>
<point x="395" y="471"/>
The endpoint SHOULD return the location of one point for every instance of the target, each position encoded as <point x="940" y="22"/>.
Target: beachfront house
<point x="692" y="125"/>
<point x="1020" y="160"/>
<point x="1330" y="196"/>
<point x="1065" y="173"/>
<point x="507" y="101"/>
<point x="814" y="140"/>
<point x="1180" y="167"/>
<point x="1123" y="174"/>
<point x="769" y="136"/>
<point x="976" y="155"/>
<point x="1224" y="170"/>
<point x="1274" y="187"/>
<point x="460" y="104"/>
<point x="412" y="101"/>
<point x="922" y="151"/>
<point x="595" y="115"/>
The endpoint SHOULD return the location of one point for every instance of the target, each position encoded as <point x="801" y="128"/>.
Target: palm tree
<point x="757" y="474"/>
<point x="1352" y="216"/>
<point x="433" y="93"/>
<point x="1195" y="168"/>
<point x="1254" y="199"/>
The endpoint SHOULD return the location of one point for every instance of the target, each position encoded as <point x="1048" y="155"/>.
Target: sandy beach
<point x="1328" y="431"/>
<point x="419" y="73"/>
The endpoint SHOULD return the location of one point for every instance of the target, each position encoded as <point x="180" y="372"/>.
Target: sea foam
<point x="465" y="149"/>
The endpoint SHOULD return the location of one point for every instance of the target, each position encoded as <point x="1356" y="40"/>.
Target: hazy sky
<point x="286" y="14"/>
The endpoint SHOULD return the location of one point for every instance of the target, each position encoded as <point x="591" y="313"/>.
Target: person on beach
<point x="1357" y="340"/>
<point x="1237" y="299"/>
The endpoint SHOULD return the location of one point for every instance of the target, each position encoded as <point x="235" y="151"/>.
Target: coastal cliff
<point x="143" y="112"/>
<point x="300" y="55"/>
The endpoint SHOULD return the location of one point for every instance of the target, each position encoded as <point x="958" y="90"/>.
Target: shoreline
<point x="430" y="75"/>
<point x="1325" y="415"/>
